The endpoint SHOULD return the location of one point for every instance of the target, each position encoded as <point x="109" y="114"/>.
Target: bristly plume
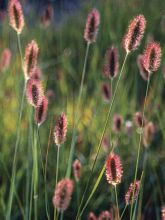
<point x="30" y="59"/>
<point x="163" y="212"/>
<point x="34" y="92"/>
<point x="47" y="16"/>
<point x="106" y="93"/>
<point x="77" y="169"/>
<point x="134" y="187"/>
<point x="105" y="215"/>
<point x="60" y="130"/>
<point x="62" y="194"/>
<point x="111" y="65"/>
<point x="134" y="33"/>
<point x="152" y="57"/>
<point x="16" y="16"/>
<point x="91" y="216"/>
<point x="148" y="134"/>
<point x="117" y="123"/>
<point x="92" y="25"/>
<point x="144" y="74"/>
<point x="41" y="111"/>
<point x="137" y="119"/>
<point x="5" y="59"/>
<point x="114" y="169"/>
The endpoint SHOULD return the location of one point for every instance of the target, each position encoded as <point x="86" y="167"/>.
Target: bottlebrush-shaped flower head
<point x="152" y="57"/>
<point x="5" y="59"/>
<point x="117" y="123"/>
<point x="77" y="169"/>
<point x="30" y="59"/>
<point x="148" y="134"/>
<point x="111" y="65"/>
<point x="92" y="25"/>
<point x="34" y="92"/>
<point x="134" y="33"/>
<point x="47" y="16"/>
<point x="163" y="212"/>
<point x="62" y="194"/>
<point x="133" y="190"/>
<point x="16" y="16"/>
<point x="60" y="130"/>
<point x="105" y="215"/>
<point x="143" y="72"/>
<point x="91" y="216"/>
<point x="138" y="119"/>
<point x="106" y="93"/>
<point x="41" y="111"/>
<point x="114" y="169"/>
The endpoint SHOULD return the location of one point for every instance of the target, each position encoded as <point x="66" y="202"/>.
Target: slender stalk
<point x="117" y="204"/>
<point x="139" y="145"/>
<point x="102" y="135"/>
<point x="57" y="169"/>
<point x="11" y="192"/>
<point x="68" y="173"/>
<point x="123" y="212"/>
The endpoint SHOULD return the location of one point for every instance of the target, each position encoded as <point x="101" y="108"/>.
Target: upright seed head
<point x="16" y="17"/>
<point x="152" y="57"/>
<point x="117" y="123"/>
<point x="138" y="119"/>
<point x="5" y="59"/>
<point x="91" y="216"/>
<point x="60" y="130"/>
<point x="30" y="59"/>
<point x="114" y="169"/>
<point x="134" y="33"/>
<point x="106" y="93"/>
<point x="148" y="135"/>
<point x="111" y="65"/>
<point x="105" y="215"/>
<point x="163" y="212"/>
<point x="143" y="72"/>
<point x="92" y="25"/>
<point x="77" y="169"/>
<point x="134" y="187"/>
<point x="47" y="16"/>
<point x="34" y="92"/>
<point x="62" y="194"/>
<point x="41" y="111"/>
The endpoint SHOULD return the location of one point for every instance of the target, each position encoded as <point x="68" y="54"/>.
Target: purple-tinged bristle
<point x="41" y="111"/>
<point x="132" y="191"/>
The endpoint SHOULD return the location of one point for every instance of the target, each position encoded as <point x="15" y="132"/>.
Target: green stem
<point x="117" y="203"/>
<point x="102" y="135"/>
<point x="139" y="146"/>
<point x="123" y="212"/>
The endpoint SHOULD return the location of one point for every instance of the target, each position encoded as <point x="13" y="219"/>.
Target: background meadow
<point x="62" y="51"/>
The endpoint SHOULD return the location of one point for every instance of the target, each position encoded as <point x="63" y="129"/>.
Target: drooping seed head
<point x="148" y="134"/>
<point x="117" y="123"/>
<point x="163" y="212"/>
<point x="5" y="59"/>
<point x="134" y="33"/>
<point x="41" y="111"/>
<point x="60" y="130"/>
<point x="106" y="93"/>
<point x="113" y="169"/>
<point x="16" y="17"/>
<point x="92" y="25"/>
<point x="133" y="190"/>
<point x="91" y="216"/>
<point x="77" y="169"/>
<point x="105" y="215"/>
<point x="111" y="66"/>
<point x="62" y="195"/>
<point x="143" y="72"/>
<point x="138" y="119"/>
<point x="34" y="92"/>
<point x="152" y="57"/>
<point x="30" y="59"/>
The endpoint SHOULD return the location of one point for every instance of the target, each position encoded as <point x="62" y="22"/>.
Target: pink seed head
<point x="92" y="25"/>
<point x="30" y="59"/>
<point x="111" y="65"/>
<point x="117" y="123"/>
<point x="5" y="59"/>
<point x="163" y="212"/>
<point x="148" y="134"/>
<point x="62" y="194"/>
<point x="105" y="215"/>
<point x="143" y="72"/>
<point x="47" y="16"/>
<point x="134" y="187"/>
<point x="91" y="216"/>
<point x="106" y="93"/>
<point x="137" y="119"/>
<point x="77" y="169"/>
<point x="41" y="111"/>
<point x="16" y="16"/>
<point x="134" y="33"/>
<point x="34" y="92"/>
<point x="60" y="130"/>
<point x="114" y="169"/>
<point x="152" y="57"/>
